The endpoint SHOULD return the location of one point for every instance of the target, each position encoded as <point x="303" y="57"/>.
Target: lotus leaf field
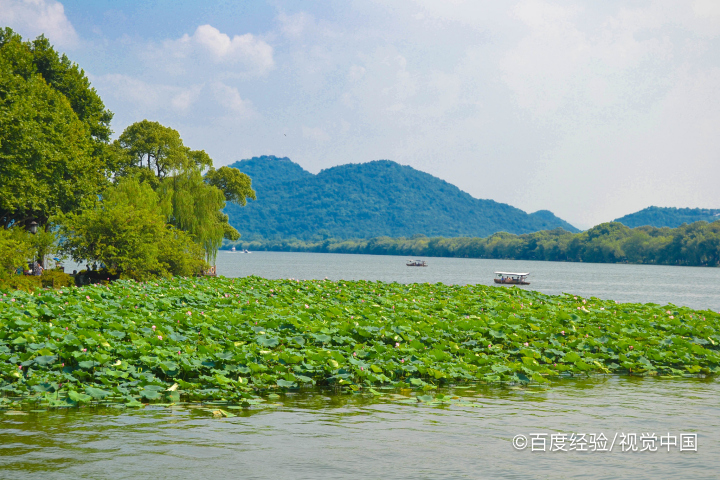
<point x="242" y="340"/>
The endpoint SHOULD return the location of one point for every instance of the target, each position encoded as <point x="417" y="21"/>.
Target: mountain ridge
<point x="363" y="200"/>
<point x="668" y="216"/>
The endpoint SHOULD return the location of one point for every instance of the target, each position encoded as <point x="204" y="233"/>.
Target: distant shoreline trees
<point x="697" y="244"/>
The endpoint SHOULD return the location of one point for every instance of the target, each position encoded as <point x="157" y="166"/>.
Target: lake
<point x="314" y="435"/>
<point x="696" y="287"/>
<point x="317" y="434"/>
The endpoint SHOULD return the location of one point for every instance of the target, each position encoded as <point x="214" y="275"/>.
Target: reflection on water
<point x="324" y="435"/>
<point x="696" y="287"/>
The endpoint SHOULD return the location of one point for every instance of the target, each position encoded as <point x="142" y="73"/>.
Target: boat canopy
<point x="511" y="274"/>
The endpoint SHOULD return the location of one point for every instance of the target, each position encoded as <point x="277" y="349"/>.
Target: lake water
<point x="696" y="287"/>
<point x="320" y="434"/>
<point x="314" y="435"/>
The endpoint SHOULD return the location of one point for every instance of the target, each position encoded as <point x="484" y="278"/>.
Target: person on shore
<point x="37" y="269"/>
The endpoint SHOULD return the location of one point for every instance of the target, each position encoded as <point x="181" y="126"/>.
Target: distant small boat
<point x="245" y="251"/>
<point x="416" y="263"/>
<point x="510" y="278"/>
<point x="232" y="249"/>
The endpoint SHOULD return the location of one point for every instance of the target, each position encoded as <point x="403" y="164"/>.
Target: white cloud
<point x="296" y="24"/>
<point x="147" y="98"/>
<point x="706" y="8"/>
<point x="230" y="98"/>
<point x="317" y="134"/>
<point x="251" y="54"/>
<point x="34" y="17"/>
<point x="356" y="73"/>
<point x="194" y="101"/>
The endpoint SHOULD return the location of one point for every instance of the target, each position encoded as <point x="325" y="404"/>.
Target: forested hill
<point x="669" y="217"/>
<point x="369" y="200"/>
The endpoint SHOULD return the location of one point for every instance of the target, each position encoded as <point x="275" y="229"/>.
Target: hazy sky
<point x="590" y="109"/>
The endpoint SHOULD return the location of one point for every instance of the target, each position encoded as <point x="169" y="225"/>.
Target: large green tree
<point x="54" y="131"/>
<point x="127" y="232"/>
<point x="191" y="190"/>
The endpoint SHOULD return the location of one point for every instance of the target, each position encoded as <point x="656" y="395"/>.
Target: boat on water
<point x="245" y="251"/>
<point x="512" y="278"/>
<point x="232" y="249"/>
<point x="416" y="263"/>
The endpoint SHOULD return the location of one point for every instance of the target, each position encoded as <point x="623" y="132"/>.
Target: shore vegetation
<point x="696" y="244"/>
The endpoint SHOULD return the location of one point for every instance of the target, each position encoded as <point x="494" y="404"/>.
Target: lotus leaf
<point x="232" y="339"/>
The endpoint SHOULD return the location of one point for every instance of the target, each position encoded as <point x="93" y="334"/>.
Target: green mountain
<point x="669" y="217"/>
<point x="380" y="198"/>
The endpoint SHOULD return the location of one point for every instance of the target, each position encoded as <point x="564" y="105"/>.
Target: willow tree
<point x="192" y="192"/>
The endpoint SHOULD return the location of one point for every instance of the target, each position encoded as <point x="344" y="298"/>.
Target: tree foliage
<point x="128" y="233"/>
<point x="157" y="156"/>
<point x="697" y="244"/>
<point x="16" y="247"/>
<point x="54" y="131"/>
<point x="159" y="148"/>
<point x="139" y="205"/>
<point x="236" y="186"/>
<point x="668" y="216"/>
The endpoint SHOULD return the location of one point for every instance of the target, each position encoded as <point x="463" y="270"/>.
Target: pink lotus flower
<point x="307" y="306"/>
<point x="12" y="300"/>
<point x="87" y="296"/>
<point x="178" y="352"/>
<point x="490" y="345"/>
<point x="62" y="364"/>
<point x="397" y="344"/>
<point x="20" y="367"/>
<point x="630" y="347"/>
<point x="361" y="368"/>
<point x="159" y="337"/>
<point x="84" y="350"/>
<point x="189" y="312"/>
<point x="563" y="332"/>
<point x="527" y="344"/>
<point x="354" y="354"/>
<point x="402" y="360"/>
<point x="153" y="327"/>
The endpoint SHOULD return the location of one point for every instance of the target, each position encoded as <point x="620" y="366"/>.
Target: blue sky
<point x="590" y="109"/>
